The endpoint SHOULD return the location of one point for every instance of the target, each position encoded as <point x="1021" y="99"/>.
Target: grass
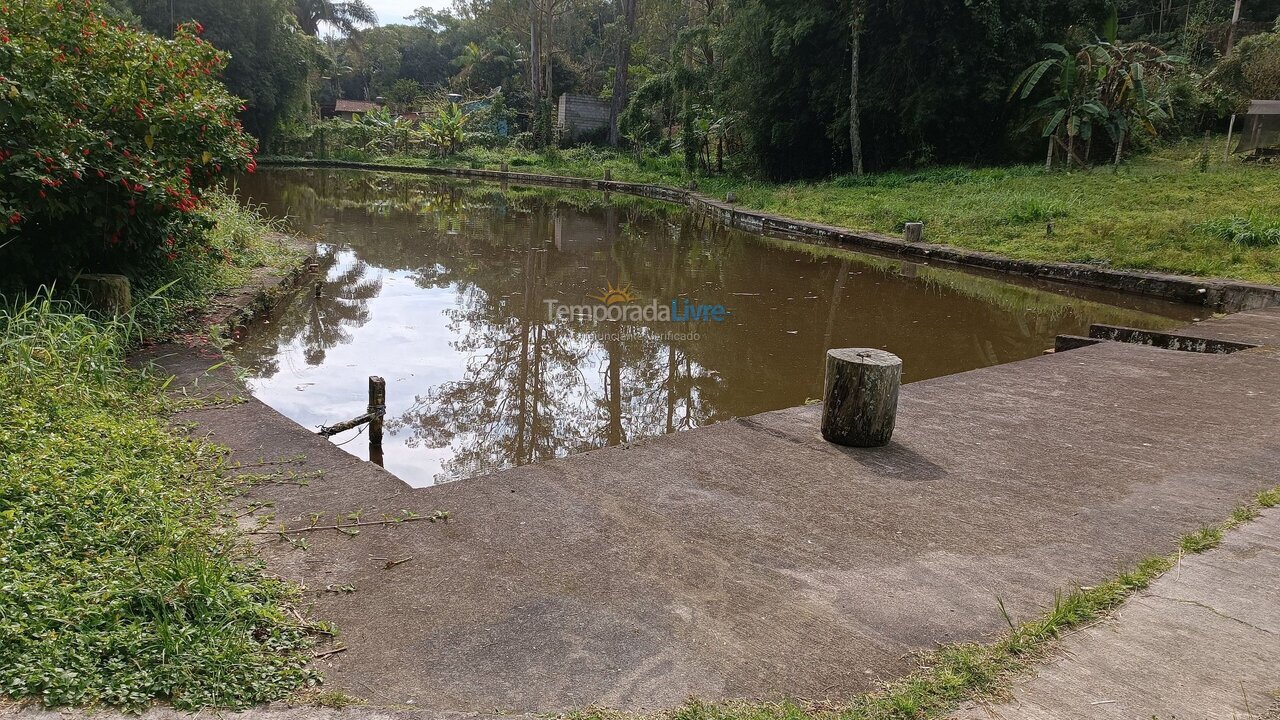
<point x="121" y="582"/>
<point x="954" y="674"/>
<point x="1158" y="212"/>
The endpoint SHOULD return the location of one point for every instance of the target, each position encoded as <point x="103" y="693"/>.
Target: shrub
<point x="108" y="138"/>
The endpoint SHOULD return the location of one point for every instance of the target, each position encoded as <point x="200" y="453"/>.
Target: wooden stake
<point x="377" y="409"/>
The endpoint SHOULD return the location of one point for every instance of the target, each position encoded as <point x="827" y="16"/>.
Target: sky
<point x="394" y="11"/>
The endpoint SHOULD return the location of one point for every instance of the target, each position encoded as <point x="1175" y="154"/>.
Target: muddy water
<point x="443" y="290"/>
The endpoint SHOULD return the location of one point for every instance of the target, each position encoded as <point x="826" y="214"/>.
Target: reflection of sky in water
<point x="440" y="291"/>
<point x="404" y="317"/>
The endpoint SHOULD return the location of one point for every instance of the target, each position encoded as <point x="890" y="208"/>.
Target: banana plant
<point x="1103" y="83"/>
<point x="447" y="130"/>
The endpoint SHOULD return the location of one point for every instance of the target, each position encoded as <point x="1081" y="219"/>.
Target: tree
<point x="270" y="58"/>
<point x="621" y="74"/>
<point x="347" y="17"/>
<point x="933" y="75"/>
<point x="1117" y="85"/>
<point x="855" y="49"/>
<point x="403" y="94"/>
<point x="1252" y="70"/>
<point x="1071" y="109"/>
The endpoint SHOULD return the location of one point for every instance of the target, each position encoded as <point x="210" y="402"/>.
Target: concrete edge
<point x="1219" y="294"/>
<point x="256" y="299"/>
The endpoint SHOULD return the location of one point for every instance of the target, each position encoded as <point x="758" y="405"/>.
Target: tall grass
<point x="118" y="583"/>
<point x="1252" y="230"/>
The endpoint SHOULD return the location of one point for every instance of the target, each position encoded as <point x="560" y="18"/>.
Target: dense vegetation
<point x="120" y="119"/>
<point x="769" y="88"/>
<point x="120" y="581"/>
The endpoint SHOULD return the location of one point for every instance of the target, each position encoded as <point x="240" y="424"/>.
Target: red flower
<point x="15" y="218"/>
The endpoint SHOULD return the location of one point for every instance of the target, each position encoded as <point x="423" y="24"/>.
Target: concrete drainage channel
<point x="1099" y="333"/>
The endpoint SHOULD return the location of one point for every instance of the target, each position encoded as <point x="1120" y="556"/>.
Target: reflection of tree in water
<point x="521" y="398"/>
<point x="317" y="323"/>
<point x="651" y="384"/>
<point x="535" y="388"/>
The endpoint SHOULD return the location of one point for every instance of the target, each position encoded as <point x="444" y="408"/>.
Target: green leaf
<point x="1052" y="126"/>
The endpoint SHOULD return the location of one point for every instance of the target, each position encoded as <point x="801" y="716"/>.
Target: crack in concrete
<point x="1211" y="609"/>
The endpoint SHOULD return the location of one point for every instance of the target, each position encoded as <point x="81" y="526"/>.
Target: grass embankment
<point x="1158" y="212"/>
<point x="954" y="674"/>
<point x="120" y="580"/>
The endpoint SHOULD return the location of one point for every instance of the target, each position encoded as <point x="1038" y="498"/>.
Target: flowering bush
<point x="108" y="137"/>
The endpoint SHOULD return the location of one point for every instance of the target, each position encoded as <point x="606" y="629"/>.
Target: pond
<point x="523" y="324"/>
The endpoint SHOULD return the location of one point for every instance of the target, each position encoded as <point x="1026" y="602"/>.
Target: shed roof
<point x="355" y="106"/>
<point x="1264" y="107"/>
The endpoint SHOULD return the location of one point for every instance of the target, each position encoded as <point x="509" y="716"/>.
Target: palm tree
<point x="346" y="17"/>
<point x="474" y="56"/>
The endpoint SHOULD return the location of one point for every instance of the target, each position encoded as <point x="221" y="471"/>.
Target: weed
<point x="1269" y="498"/>
<point x="238" y="240"/>
<point x="335" y="699"/>
<point x="1035" y="209"/>
<point x="1201" y="540"/>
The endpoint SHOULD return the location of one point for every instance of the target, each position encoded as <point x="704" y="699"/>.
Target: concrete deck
<point x="1202" y="642"/>
<point x="752" y="559"/>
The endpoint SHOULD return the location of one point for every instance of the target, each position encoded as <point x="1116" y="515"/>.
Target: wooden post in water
<point x="377" y="409"/>
<point x="914" y="232"/>
<point x="860" y="402"/>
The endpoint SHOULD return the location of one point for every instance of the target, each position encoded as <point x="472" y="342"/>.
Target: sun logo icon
<point x="616" y="295"/>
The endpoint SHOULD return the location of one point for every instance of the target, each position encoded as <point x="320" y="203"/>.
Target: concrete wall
<point x="578" y="115"/>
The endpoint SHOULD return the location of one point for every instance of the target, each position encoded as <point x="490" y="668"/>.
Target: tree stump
<point x="914" y="232"/>
<point x="107" y="294"/>
<point x="860" y="402"/>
